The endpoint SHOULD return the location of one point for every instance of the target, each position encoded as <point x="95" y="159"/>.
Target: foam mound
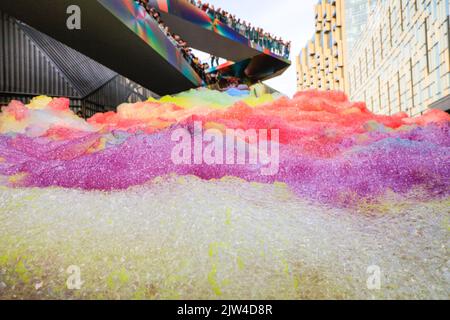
<point x="351" y="191"/>
<point x="330" y="149"/>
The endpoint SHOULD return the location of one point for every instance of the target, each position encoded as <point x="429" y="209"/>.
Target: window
<point x="373" y="54"/>
<point x="367" y="63"/>
<point x="412" y="83"/>
<point x="401" y="15"/>
<point x="390" y="26"/>
<point x="427" y="49"/>
<point x="399" y="92"/>
<point x="379" y="93"/>
<point x="381" y="43"/>
<point x="389" y="97"/>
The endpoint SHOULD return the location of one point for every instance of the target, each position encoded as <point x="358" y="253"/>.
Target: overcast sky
<point x="291" y="19"/>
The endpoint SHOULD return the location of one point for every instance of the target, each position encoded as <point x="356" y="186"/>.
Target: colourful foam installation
<point x="355" y="193"/>
<point x="330" y="149"/>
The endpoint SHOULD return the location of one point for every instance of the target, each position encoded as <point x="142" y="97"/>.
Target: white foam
<point x="228" y="239"/>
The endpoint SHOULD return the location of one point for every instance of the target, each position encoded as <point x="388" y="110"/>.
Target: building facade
<point x="356" y="13"/>
<point x="392" y="54"/>
<point x="321" y="64"/>
<point x="401" y="61"/>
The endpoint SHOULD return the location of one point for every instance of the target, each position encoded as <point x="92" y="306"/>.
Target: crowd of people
<point x="199" y="66"/>
<point x="256" y="35"/>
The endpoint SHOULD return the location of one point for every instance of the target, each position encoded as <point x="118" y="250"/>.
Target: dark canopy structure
<point x="118" y="34"/>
